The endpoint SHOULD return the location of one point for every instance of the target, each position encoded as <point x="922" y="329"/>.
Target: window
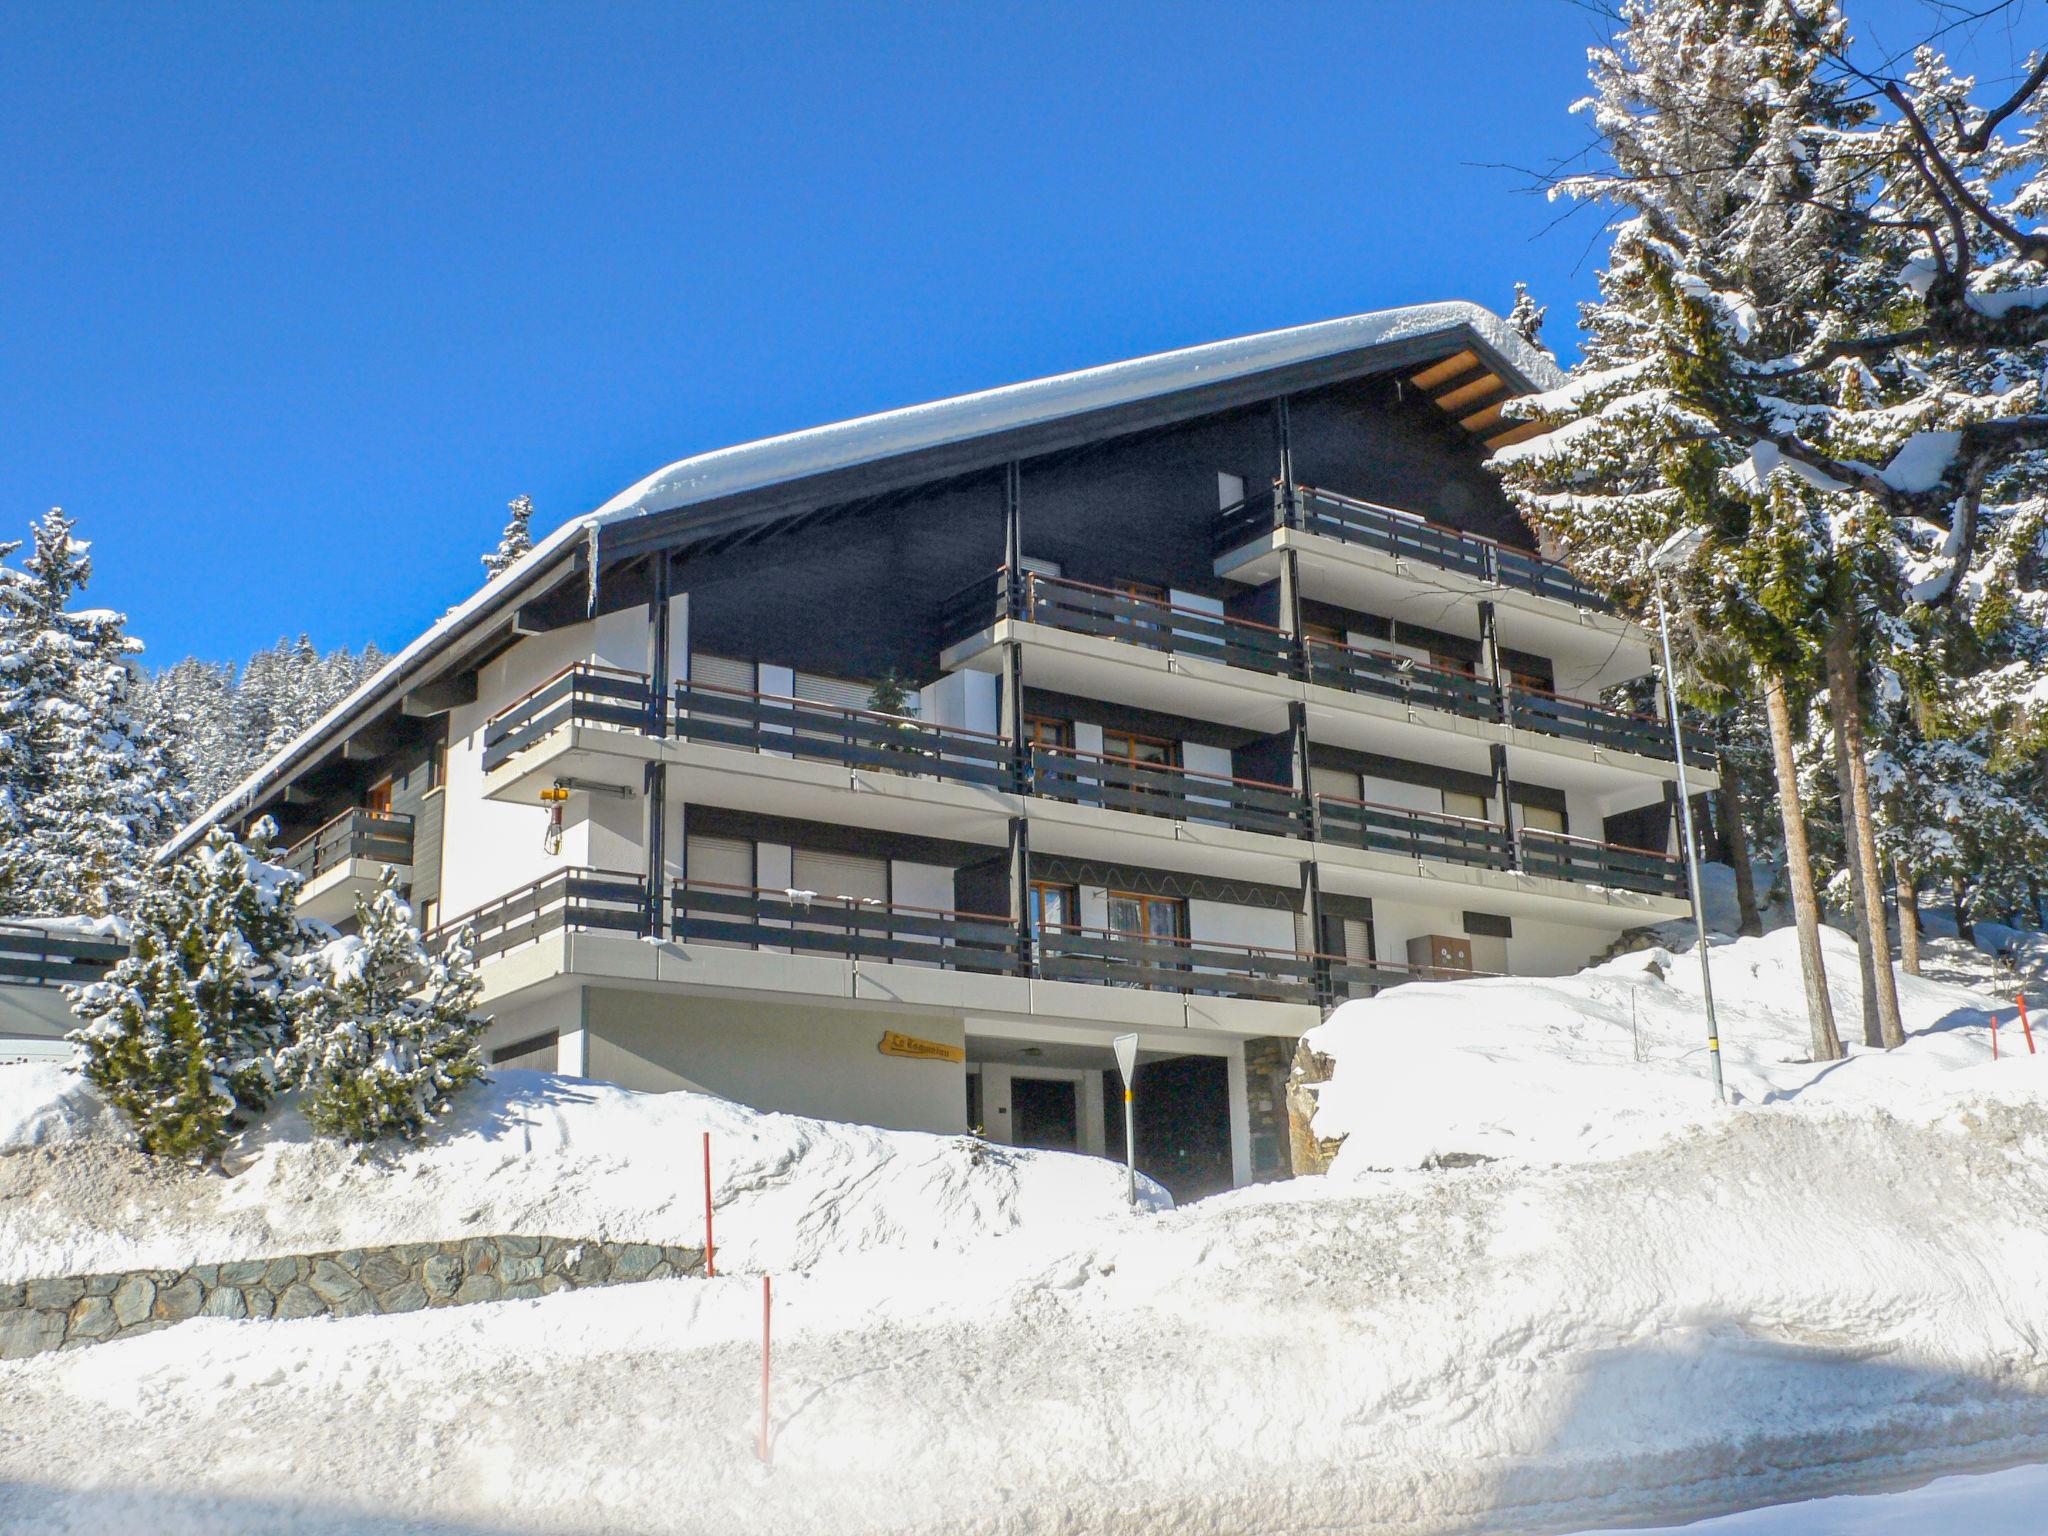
<point x="1143" y="590"/>
<point x="1054" y="906"/>
<point x="1229" y="490"/>
<point x="1527" y="682"/>
<point x="1331" y="634"/>
<point x="1456" y="803"/>
<point x="721" y="672"/>
<point x="1340" y="782"/>
<point x="1451" y="663"/>
<point x="429" y="914"/>
<point x="437" y="765"/>
<point x="1150" y="751"/>
<point x="377" y="798"/>
<point x="1541" y="818"/>
<point x="1153" y="917"/>
<point x="1044" y="731"/>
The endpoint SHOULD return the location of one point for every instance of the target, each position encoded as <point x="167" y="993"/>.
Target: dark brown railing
<point x="582" y="900"/>
<point x="1559" y="856"/>
<point x="1117" y="784"/>
<point x="377" y="836"/>
<point x="582" y="694"/>
<point x="37" y="957"/>
<point x="1411" y="834"/>
<point x="841" y="926"/>
<point x="1390" y="675"/>
<point x="1557" y="714"/>
<point x="858" y="738"/>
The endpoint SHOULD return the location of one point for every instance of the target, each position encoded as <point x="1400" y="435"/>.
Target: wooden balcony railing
<point x="841" y="926"/>
<point x="1558" y="856"/>
<point x="580" y="900"/>
<point x="1070" y="953"/>
<point x="858" y="738"/>
<point x="1431" y="835"/>
<point x="1389" y="675"/>
<point x="1557" y="714"/>
<point x="377" y="836"/>
<point x="1114" y="783"/>
<point x="32" y="956"/>
<point x="582" y="694"/>
<point x="1404" y="535"/>
<point x="1081" y="608"/>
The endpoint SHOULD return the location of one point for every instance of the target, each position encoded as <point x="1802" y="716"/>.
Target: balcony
<point x="1411" y="834"/>
<point x="783" y="925"/>
<point x="1390" y="675"/>
<point x="1557" y="856"/>
<point x="839" y="926"/>
<point x="1079" y="608"/>
<point x="1615" y="730"/>
<point x="831" y="733"/>
<point x="1405" y="536"/>
<point x="1117" y="784"/>
<point x="347" y="858"/>
<point x="34" y="956"/>
<point x="583" y="694"/>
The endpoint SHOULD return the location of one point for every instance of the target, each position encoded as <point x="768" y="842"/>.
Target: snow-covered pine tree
<point x="93" y="795"/>
<point x="180" y="1036"/>
<point x="1525" y="319"/>
<point x="1716" y="121"/>
<point x="514" y="542"/>
<point x="386" y="1032"/>
<point x="189" y="708"/>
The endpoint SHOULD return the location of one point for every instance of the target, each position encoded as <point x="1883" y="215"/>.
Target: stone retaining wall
<point x="76" y="1310"/>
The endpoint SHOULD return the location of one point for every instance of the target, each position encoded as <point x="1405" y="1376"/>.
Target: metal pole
<point x="1130" y="1151"/>
<point x="1692" y="852"/>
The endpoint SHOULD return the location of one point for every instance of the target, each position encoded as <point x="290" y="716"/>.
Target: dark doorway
<point x="1043" y="1114"/>
<point x="1183" y="1117"/>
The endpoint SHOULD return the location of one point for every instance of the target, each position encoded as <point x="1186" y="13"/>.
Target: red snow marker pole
<point x="1994" y="1037"/>
<point x="2022" y="1001"/>
<point x="710" y="1269"/>
<point x="767" y="1302"/>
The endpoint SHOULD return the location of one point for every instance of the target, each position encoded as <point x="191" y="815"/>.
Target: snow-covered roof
<point x="709" y="477"/>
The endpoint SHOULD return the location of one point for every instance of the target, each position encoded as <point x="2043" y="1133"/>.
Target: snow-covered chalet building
<point x="1235" y="688"/>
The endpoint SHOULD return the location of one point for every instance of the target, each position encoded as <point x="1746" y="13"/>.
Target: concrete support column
<point x="1240" y="1116"/>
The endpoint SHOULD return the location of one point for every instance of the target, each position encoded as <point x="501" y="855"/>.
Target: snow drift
<point x="1615" y="1058"/>
<point x="525" y="1152"/>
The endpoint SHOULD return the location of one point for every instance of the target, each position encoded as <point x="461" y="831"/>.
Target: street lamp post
<point x="1673" y="552"/>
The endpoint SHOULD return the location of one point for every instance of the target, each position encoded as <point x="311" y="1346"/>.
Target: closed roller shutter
<point x="840" y="874"/>
<point x="722" y="672"/>
<point x="832" y="690"/>
<point x="1340" y="782"/>
<point x="711" y="864"/>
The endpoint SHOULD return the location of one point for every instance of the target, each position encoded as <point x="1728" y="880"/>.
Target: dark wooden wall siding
<point x="852" y="598"/>
<point x="411" y="783"/>
<point x="1143" y="507"/>
<point x="984" y="887"/>
<point x="1379" y="442"/>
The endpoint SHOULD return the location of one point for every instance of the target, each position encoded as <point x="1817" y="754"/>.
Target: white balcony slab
<point x="330" y="896"/>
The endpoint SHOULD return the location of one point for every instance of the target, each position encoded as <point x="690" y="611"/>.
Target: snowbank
<point x="1608" y="1061"/>
<point x="526" y="1152"/>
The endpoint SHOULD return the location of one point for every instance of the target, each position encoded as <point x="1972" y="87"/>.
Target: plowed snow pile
<point x="1667" y="1314"/>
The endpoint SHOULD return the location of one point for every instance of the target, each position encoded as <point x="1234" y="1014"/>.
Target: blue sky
<point x="293" y="299"/>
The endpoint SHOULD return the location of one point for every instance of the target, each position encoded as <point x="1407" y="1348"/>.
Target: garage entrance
<point x="1183" y="1137"/>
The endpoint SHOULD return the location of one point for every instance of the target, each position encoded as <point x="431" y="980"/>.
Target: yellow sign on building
<point x="894" y="1044"/>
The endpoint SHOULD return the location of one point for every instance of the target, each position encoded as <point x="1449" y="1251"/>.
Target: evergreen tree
<point x="89" y="795"/>
<point x="179" y="1037"/>
<point x="1526" y="318"/>
<point x="514" y="542"/>
<point x="386" y="1033"/>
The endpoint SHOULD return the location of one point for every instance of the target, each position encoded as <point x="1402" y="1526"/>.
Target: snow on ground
<point x="1613" y="1058"/>
<point x="1647" y="1313"/>
<point x="527" y="1152"/>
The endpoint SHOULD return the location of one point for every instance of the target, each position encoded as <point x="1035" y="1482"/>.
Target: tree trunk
<point x="1909" y="922"/>
<point x="1959" y="894"/>
<point x="1820" y="1013"/>
<point x="1860" y="833"/>
<point x="1859" y="905"/>
<point x="1729" y="801"/>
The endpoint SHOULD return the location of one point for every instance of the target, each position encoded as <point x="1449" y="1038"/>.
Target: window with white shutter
<point x="721" y="672"/>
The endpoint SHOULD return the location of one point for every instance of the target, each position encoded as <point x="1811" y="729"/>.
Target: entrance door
<point x="1044" y="1113"/>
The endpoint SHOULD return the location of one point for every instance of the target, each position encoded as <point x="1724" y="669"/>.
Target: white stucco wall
<point x="803" y="1060"/>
